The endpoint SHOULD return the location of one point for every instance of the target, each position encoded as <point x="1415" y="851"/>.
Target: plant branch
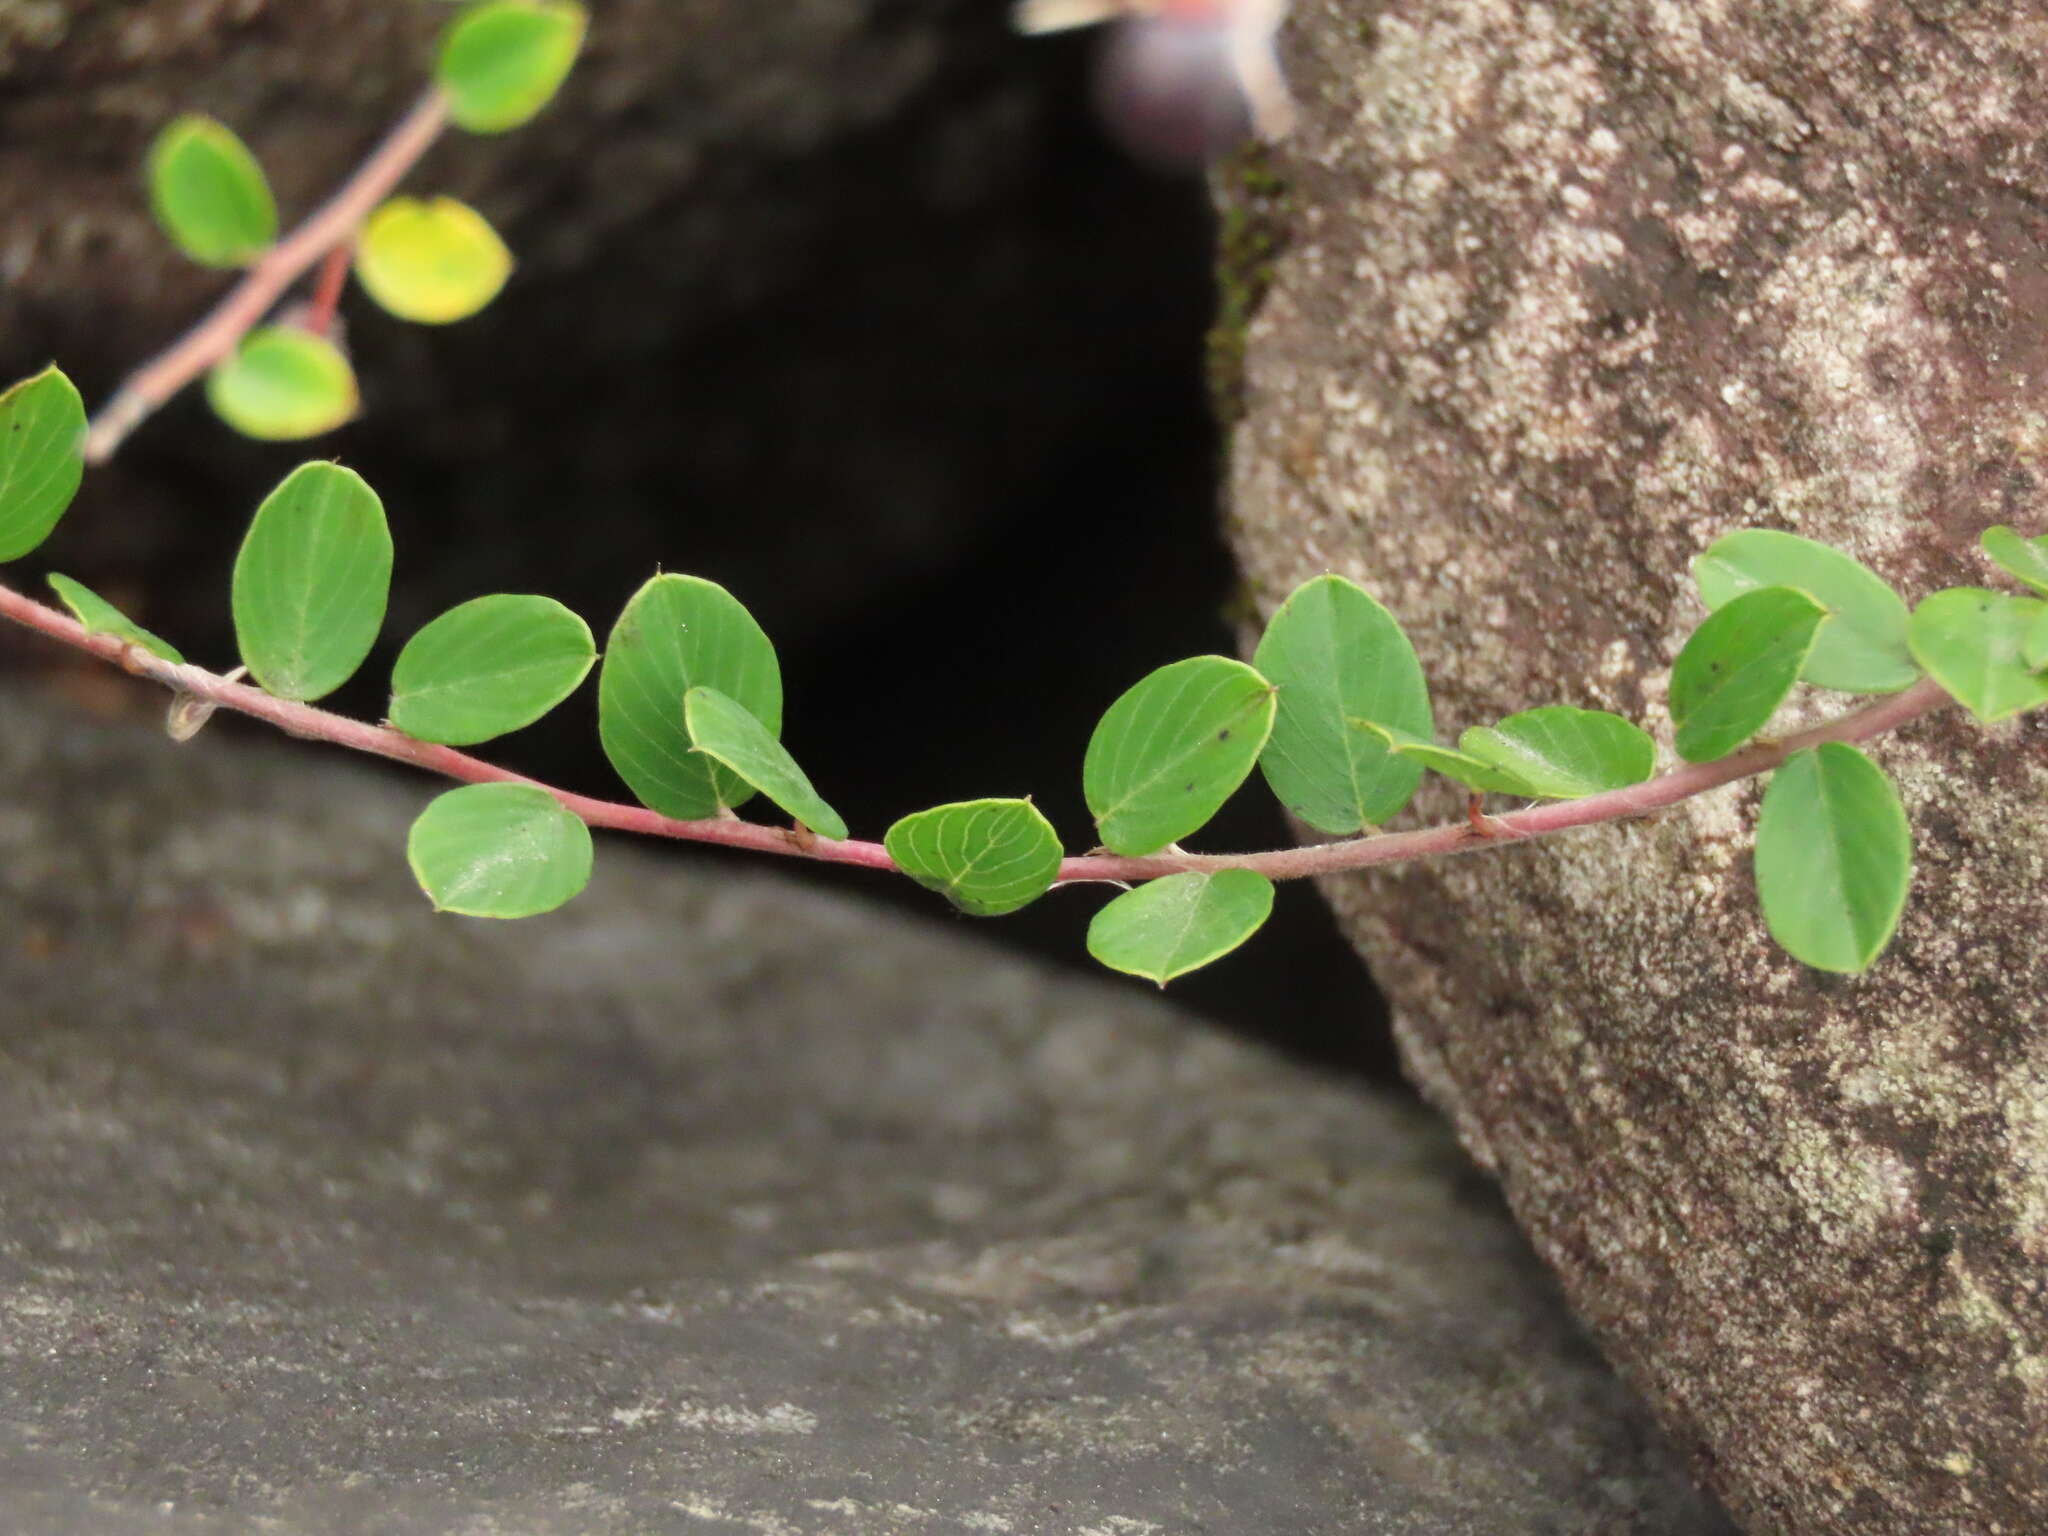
<point x="1466" y="836"/>
<point x="1463" y="836"/>
<point x="331" y="225"/>
<point x="325" y="302"/>
<point x="309" y="723"/>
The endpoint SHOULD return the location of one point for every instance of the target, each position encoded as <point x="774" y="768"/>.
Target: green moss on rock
<point x="1255" y="209"/>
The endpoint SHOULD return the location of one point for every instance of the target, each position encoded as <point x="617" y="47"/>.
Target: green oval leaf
<point x="1169" y="752"/>
<point x="679" y="633"/>
<point x="489" y="666"/>
<point x="1834" y="858"/>
<point x="499" y="850"/>
<point x="724" y="730"/>
<point x="1338" y="657"/>
<point x="282" y="384"/>
<point x="502" y="61"/>
<point x="1562" y="753"/>
<point x="1737" y="668"/>
<point x="209" y="194"/>
<point x="42" y="459"/>
<point x="1475" y="773"/>
<point x="2024" y="558"/>
<point x="987" y="857"/>
<point x="101" y="617"/>
<point x="1861" y="646"/>
<point x="1973" y="642"/>
<point x="1180" y="923"/>
<point x="311" y="582"/>
<point x="433" y="263"/>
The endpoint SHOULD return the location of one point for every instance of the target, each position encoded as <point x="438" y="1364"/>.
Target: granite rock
<point x="711" y="1203"/>
<point x="1569" y="290"/>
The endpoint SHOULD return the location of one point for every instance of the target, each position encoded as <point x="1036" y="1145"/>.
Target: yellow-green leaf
<point x="282" y="384"/>
<point x="431" y="262"/>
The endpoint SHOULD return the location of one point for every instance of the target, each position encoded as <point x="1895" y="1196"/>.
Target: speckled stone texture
<point x="710" y="1204"/>
<point x="1572" y="289"/>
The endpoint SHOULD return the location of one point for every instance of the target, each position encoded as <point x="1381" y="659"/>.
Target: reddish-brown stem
<point x="322" y="307"/>
<point x="1660" y="793"/>
<point x="303" y="720"/>
<point x="1461" y="836"/>
<point x="332" y="224"/>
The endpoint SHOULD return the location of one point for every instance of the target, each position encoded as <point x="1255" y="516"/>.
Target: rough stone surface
<point x="1573" y="288"/>
<point x="708" y="1204"/>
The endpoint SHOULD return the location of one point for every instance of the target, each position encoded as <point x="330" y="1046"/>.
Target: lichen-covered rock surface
<point x="709" y="1204"/>
<point x="1572" y="289"/>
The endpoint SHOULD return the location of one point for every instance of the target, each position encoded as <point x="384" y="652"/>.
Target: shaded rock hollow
<point x="844" y="304"/>
<point x="1572" y="289"/>
<point x="730" y="344"/>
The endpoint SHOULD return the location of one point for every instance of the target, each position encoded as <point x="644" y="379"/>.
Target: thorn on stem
<point x="319" y="313"/>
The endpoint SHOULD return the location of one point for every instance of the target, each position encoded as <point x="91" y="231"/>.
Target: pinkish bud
<point x="1181" y="82"/>
<point x="1169" y="87"/>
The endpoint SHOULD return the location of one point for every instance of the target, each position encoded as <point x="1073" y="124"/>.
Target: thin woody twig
<point x="1652" y="795"/>
<point x="333" y="224"/>
<point x="1461" y="836"/>
<point x="325" y="303"/>
<point x="309" y="723"/>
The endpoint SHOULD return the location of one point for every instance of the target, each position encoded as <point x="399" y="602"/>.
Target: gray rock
<point x="1572" y="289"/>
<point x="710" y="1203"/>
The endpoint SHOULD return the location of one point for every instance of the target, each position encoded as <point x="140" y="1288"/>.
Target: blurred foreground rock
<point x="711" y="1203"/>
